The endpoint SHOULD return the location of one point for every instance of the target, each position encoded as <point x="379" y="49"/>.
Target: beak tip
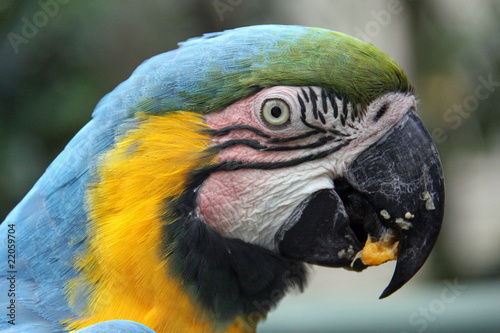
<point x="397" y="281"/>
<point x="385" y="294"/>
<point x="390" y="289"/>
<point x="410" y="262"/>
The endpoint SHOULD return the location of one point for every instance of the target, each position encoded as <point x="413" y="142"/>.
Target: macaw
<point x="206" y="183"/>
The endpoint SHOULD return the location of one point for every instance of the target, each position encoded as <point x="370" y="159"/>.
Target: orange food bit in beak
<point x="376" y="253"/>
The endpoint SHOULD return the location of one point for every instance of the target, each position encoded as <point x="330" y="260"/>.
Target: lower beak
<point x="389" y="205"/>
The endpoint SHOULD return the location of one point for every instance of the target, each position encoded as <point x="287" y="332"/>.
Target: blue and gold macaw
<point x="207" y="181"/>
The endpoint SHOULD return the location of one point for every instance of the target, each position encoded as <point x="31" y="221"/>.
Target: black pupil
<point x="276" y="112"/>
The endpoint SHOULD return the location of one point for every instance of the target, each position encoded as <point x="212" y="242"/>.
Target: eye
<point x="275" y="112"/>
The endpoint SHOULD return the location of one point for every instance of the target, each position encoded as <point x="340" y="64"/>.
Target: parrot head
<point x="219" y="170"/>
<point x="320" y="155"/>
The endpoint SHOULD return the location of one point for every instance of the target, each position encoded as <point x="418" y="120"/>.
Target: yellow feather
<point x="124" y="265"/>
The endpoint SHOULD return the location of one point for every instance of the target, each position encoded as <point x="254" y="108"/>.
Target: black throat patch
<point x="227" y="277"/>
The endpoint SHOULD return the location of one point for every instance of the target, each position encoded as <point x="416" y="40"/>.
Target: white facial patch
<point x="252" y="204"/>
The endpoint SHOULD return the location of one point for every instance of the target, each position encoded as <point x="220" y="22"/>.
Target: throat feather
<point x="226" y="276"/>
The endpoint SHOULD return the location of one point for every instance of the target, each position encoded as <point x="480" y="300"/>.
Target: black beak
<point x="393" y="190"/>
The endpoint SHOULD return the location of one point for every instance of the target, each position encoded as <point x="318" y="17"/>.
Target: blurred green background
<point x="58" y="58"/>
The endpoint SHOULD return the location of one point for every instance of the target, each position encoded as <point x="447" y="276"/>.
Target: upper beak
<point x="392" y="196"/>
